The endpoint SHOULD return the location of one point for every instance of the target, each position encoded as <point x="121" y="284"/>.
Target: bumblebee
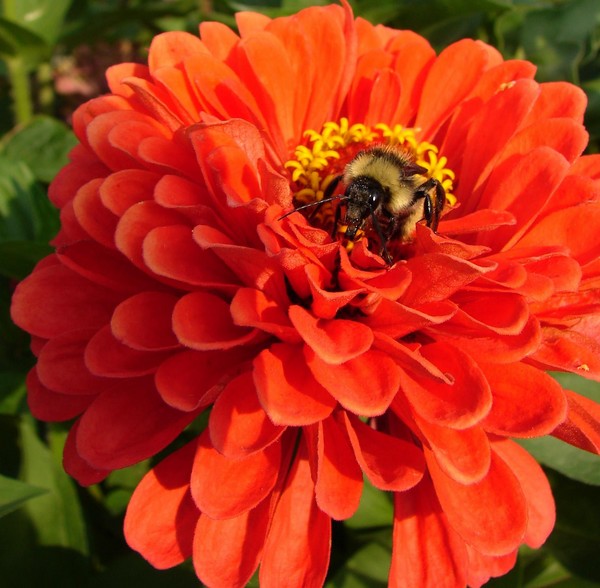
<point x="384" y="191"/>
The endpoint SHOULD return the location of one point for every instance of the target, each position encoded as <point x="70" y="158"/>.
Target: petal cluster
<point x="176" y="287"/>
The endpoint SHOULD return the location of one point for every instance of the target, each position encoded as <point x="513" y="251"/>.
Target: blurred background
<point x="53" y="54"/>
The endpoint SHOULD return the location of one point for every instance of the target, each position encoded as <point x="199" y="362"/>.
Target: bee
<point x="384" y="190"/>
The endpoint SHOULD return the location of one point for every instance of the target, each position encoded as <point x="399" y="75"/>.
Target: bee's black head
<point x="364" y="197"/>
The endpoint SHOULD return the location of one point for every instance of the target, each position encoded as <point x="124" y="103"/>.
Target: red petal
<point x="582" y="427"/>
<point x="227" y="551"/>
<point x="527" y="402"/>
<point x="106" y="356"/>
<point x="535" y="486"/>
<point x="339" y="480"/>
<point x="287" y="389"/>
<point x="334" y="341"/>
<point x="238" y="424"/>
<point x="365" y="385"/>
<point x="460" y="404"/>
<point x="482" y="567"/>
<point x="91" y="213"/>
<point x="224" y="488"/>
<point x="203" y="321"/>
<point x="390" y="463"/>
<point x="427" y="552"/>
<point x="193" y="379"/>
<point x="161" y="516"/>
<point x="61" y="367"/>
<point x="76" y="466"/>
<point x="47" y="405"/>
<point x="54" y="300"/>
<point x="252" y="308"/>
<point x="298" y="544"/>
<point x="127" y="424"/>
<point x="123" y="189"/>
<point x="490" y="515"/>
<point x="144" y="321"/>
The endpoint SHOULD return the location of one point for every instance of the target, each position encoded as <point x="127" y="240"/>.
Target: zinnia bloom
<point x="178" y="286"/>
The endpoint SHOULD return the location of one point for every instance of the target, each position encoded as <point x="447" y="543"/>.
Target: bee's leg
<point x="433" y="204"/>
<point x="384" y="236"/>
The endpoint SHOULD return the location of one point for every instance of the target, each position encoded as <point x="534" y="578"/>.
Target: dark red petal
<point x="203" y="321"/>
<point x="54" y="300"/>
<point x="47" y="405"/>
<point x="582" y="427"/>
<point x="390" y="463"/>
<point x="287" y="389"/>
<point x="365" y="385"/>
<point x="427" y="552"/>
<point x="334" y="341"/>
<point x="298" y="544"/>
<point x="460" y="404"/>
<point x="128" y="423"/>
<point x="144" y="321"/>
<point x="161" y="515"/>
<point x="490" y="515"/>
<point x="527" y="402"/>
<point x="224" y="488"/>
<point x="227" y="551"/>
<point x="76" y="466"/>
<point x="238" y="424"/>
<point x="339" y="480"/>
<point x="193" y="379"/>
<point x="535" y="486"/>
<point x="61" y="367"/>
<point x="93" y="216"/>
<point x="106" y="356"/>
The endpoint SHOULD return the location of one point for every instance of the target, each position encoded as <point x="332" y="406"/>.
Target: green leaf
<point x="49" y="530"/>
<point x="12" y="392"/>
<point x="14" y="493"/>
<point x="17" y="258"/>
<point x="368" y="567"/>
<point x="564" y="458"/>
<point x="19" y="44"/>
<point x="42" y="17"/>
<point x="26" y="214"/>
<point x="375" y="509"/>
<point x="43" y="144"/>
<point x="575" y="541"/>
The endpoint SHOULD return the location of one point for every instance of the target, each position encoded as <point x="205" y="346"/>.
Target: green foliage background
<point x="54" y="533"/>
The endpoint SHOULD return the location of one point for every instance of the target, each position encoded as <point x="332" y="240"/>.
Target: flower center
<point x="319" y="164"/>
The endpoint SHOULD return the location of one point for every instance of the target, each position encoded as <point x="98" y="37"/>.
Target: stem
<point x="20" y="90"/>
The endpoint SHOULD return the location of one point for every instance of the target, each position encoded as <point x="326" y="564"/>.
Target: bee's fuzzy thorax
<point x="385" y="165"/>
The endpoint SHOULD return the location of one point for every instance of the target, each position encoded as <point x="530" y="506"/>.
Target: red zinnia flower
<point x="177" y="286"/>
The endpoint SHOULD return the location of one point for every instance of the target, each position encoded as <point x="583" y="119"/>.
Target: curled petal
<point x="334" y="341"/>
<point x="582" y="426"/>
<point x="390" y="463"/>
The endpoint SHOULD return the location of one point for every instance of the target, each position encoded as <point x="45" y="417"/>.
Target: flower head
<point x="180" y="283"/>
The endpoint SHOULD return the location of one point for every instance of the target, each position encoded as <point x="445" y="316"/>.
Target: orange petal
<point x="527" y="402"/>
<point x="298" y="544"/>
<point x="333" y="341"/>
<point x="287" y="390"/>
<point x="490" y="515"/>
<point x="224" y="488"/>
<point x="427" y="552"/>
<point x="238" y="424"/>
<point x="582" y="427"/>
<point x="364" y="385"/>
<point x="390" y="463"/>
<point x="161" y="516"/>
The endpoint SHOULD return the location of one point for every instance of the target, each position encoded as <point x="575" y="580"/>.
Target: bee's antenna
<point x="317" y="203"/>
